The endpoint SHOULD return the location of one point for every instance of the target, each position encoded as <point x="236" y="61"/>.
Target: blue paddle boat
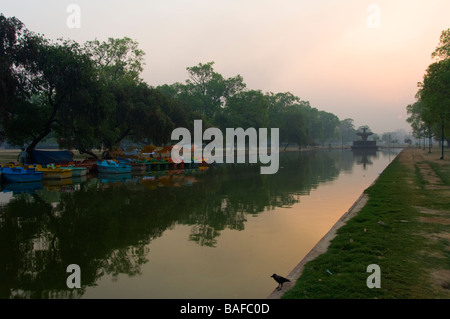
<point x="21" y="175"/>
<point x="112" y="167"/>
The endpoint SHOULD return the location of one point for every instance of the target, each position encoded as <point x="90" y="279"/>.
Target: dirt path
<point x="435" y="218"/>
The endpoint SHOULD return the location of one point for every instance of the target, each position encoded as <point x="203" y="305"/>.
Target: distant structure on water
<point x="364" y="144"/>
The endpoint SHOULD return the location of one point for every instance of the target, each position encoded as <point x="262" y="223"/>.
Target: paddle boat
<point x="77" y="171"/>
<point x="90" y="164"/>
<point x="112" y="167"/>
<point x="136" y="167"/>
<point x="53" y="172"/>
<point x="151" y="164"/>
<point x="20" y="175"/>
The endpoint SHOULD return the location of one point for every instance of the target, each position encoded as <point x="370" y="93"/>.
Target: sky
<point x="357" y="59"/>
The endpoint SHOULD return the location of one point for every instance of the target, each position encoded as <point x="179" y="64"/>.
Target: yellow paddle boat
<point x="53" y="172"/>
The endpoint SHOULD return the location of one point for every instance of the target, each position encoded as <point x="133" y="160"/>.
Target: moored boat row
<point x="34" y="173"/>
<point x="37" y="172"/>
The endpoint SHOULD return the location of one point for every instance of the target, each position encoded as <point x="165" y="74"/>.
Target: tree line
<point x="429" y="116"/>
<point x="90" y="96"/>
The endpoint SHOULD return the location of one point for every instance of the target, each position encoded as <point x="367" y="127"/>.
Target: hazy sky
<point x="355" y="58"/>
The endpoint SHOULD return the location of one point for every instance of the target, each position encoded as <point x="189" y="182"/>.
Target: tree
<point x="281" y="101"/>
<point x="442" y="51"/>
<point x="432" y="110"/>
<point x="51" y="89"/>
<point x="421" y="122"/>
<point x="208" y="91"/>
<point x="131" y="113"/>
<point x="347" y="130"/>
<point x="313" y="126"/>
<point x="286" y="113"/>
<point x="59" y="83"/>
<point x="330" y="123"/>
<point x="162" y="115"/>
<point x="435" y="94"/>
<point x="408" y="141"/>
<point x="117" y="58"/>
<point x="375" y="137"/>
<point x="18" y="49"/>
<point x="292" y="128"/>
<point x="247" y="109"/>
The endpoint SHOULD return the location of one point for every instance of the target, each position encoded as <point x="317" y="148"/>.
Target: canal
<point x="212" y="233"/>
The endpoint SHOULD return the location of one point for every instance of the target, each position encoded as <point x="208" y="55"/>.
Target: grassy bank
<point x="404" y="228"/>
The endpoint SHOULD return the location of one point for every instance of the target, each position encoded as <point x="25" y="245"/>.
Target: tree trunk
<point x="442" y="139"/>
<point x="47" y="128"/>
<point x="89" y="152"/>
<point x="430" y="143"/>
<point x="35" y="142"/>
<point x="124" y="134"/>
<point x="40" y="137"/>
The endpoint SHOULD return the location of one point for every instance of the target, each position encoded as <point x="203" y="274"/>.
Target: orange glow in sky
<point x="355" y="58"/>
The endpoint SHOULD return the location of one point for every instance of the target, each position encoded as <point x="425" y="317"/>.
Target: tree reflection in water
<point x="105" y="226"/>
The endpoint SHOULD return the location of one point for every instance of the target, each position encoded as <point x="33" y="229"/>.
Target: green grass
<point x="420" y="180"/>
<point x="442" y="171"/>
<point x="386" y="232"/>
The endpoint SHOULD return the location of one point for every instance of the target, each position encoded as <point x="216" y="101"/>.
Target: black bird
<point x="280" y="280"/>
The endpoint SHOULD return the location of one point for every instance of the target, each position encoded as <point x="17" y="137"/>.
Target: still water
<point x="216" y="233"/>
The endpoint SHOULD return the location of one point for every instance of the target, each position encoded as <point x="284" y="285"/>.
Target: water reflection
<point x="19" y="188"/>
<point x="106" y="223"/>
<point x="364" y="157"/>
